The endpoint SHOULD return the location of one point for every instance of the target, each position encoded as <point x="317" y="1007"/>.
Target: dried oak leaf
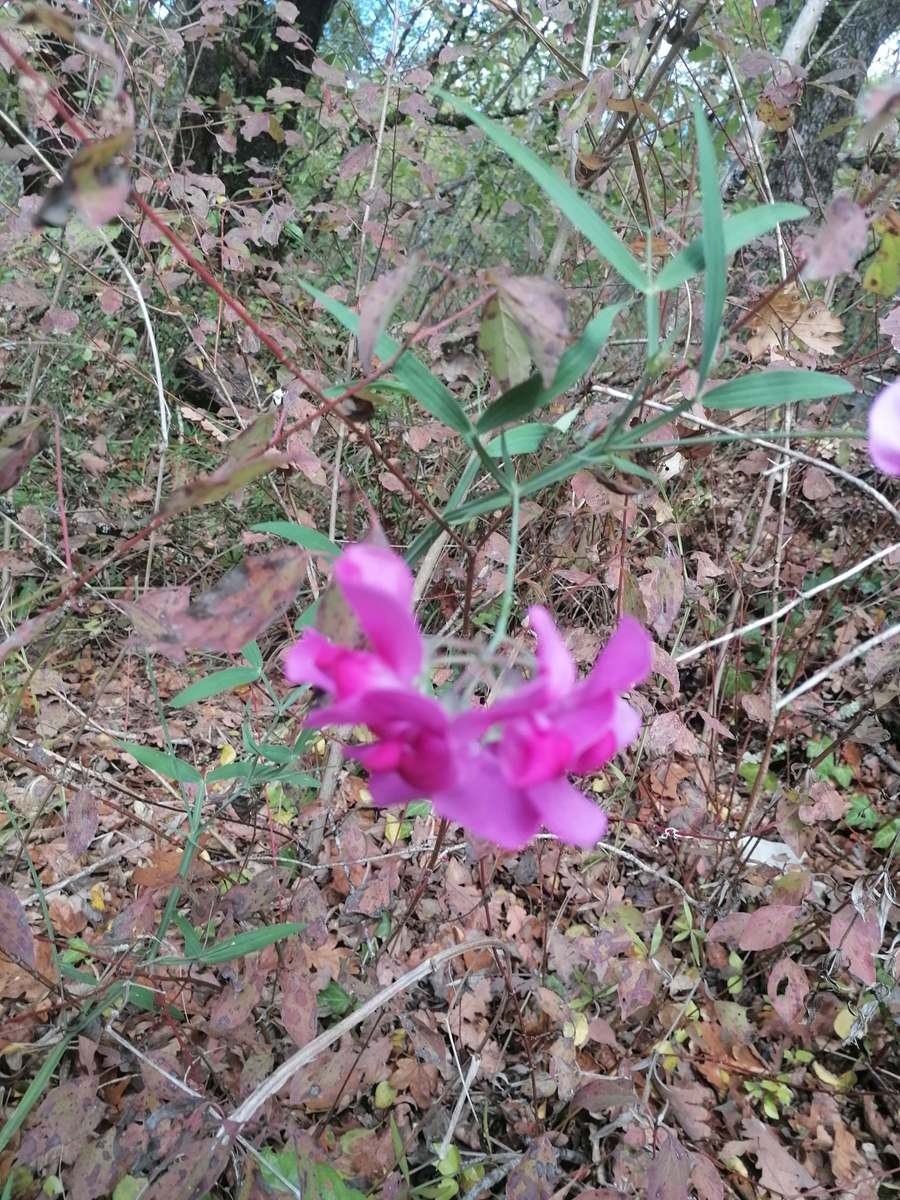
<point x="235" y="611"/>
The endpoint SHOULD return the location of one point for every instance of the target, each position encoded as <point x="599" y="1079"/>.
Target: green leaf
<point x="193" y="947"/>
<point x="214" y="685"/>
<point x="503" y="344"/>
<point x="886" y="834"/>
<point x="737" y="230"/>
<point x="434" y="397"/>
<point x="163" y="764"/>
<point x="309" y="539"/>
<point x="335" y="999"/>
<point x="589" y="223"/>
<point x="763" y="389"/>
<point x="524" y="439"/>
<point x="238" y="946"/>
<point x="713" y="245"/>
<point x="519" y="401"/>
<point x="252" y="653"/>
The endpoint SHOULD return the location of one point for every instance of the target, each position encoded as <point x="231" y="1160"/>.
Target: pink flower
<point x="500" y="771"/>
<point x="884" y="429"/>
<point x="378" y="587"/>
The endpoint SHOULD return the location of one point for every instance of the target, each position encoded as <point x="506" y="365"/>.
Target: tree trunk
<point x="852" y="43"/>
<point x="252" y="58"/>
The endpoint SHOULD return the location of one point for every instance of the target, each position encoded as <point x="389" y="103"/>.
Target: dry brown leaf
<point x="788" y="314"/>
<point x="819" y="329"/>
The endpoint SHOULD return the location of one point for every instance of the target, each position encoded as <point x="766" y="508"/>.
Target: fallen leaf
<point x="768" y="926"/>
<point x="787" y="988"/>
<point x="16" y="940"/>
<point x="82" y="818"/>
<point x="857" y="939"/>
<point x="819" y="329"/>
<point x="817" y="484"/>
<point x="534" y="1176"/>
<point x="18" y="447"/>
<point x="236" y="611"/>
<point x="669" y="1174"/>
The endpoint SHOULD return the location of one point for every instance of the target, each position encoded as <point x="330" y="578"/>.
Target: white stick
<point x="857" y="652"/>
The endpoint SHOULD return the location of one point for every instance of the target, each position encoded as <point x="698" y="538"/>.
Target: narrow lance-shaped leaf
<point x="738" y="231"/>
<point x="765" y="389"/>
<point x="713" y="246"/>
<point x="589" y="223"/>
<point x="427" y="388"/>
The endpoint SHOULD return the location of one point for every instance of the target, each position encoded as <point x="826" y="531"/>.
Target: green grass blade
<point x="713" y="246"/>
<point x="738" y="231"/>
<point x="589" y="223"/>
<point x="522" y="400"/>
<point x="309" y="539"/>
<point x="427" y="388"/>
<point x="214" y="685"/>
<point x="238" y="946"/>
<point x="766" y="389"/>
<point x="524" y="439"/>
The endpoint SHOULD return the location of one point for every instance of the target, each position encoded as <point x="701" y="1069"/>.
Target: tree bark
<point x="852" y="34"/>
<point x="252" y="57"/>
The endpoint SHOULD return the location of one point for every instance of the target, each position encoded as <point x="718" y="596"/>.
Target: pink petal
<point x="532" y="751"/>
<point x="388" y="789"/>
<point x="624" y="726"/>
<point x="624" y="661"/>
<point x="884" y="429"/>
<point x="485" y="804"/>
<point x="555" y="663"/>
<point x="378" y="586"/>
<point x="570" y="815"/>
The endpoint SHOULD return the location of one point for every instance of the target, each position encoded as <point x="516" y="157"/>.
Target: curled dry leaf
<point x="247" y="461"/>
<point x="377" y="302"/>
<point x="787" y="314"/>
<point x="18" y="447"/>
<point x="539" y="310"/>
<point x="838" y="242"/>
<point x="236" y="611"/>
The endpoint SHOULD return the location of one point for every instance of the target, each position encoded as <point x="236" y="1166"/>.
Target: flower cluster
<point x="501" y="771"/>
<point x="884" y="429"/>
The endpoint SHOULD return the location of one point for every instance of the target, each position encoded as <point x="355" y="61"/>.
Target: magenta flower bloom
<point x="500" y="771"/>
<point x="378" y="587"/>
<point x="884" y="429"/>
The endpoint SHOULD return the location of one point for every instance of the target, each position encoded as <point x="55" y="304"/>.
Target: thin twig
<point x="283" y="1075"/>
<point x="857" y="652"/>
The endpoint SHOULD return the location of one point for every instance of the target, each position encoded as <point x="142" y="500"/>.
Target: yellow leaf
<point x="843" y="1023"/>
<point x="840" y="1083"/>
<point x="227" y="755"/>
<point x="883" y="275"/>
<point x="98" y="903"/>
<point x="774" y="117"/>
<point x="392" y="827"/>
